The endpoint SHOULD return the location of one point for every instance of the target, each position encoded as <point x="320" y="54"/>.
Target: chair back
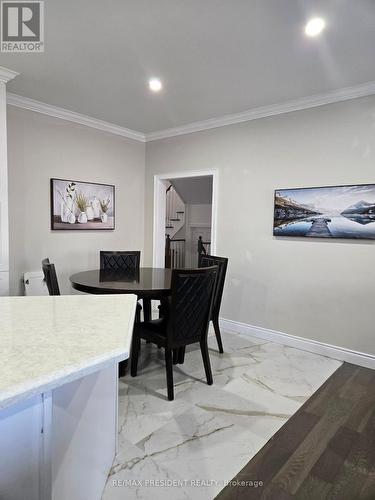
<point x="50" y="277"/>
<point x="190" y="305"/>
<point x="120" y="261"/>
<point x="222" y="263"/>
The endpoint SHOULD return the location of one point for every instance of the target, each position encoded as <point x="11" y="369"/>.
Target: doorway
<point x="192" y="217"/>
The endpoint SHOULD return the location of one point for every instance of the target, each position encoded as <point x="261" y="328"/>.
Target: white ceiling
<point x="215" y="57"/>
<point x="194" y="190"/>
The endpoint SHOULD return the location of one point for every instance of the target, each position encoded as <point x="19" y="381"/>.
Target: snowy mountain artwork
<point x="326" y="212"/>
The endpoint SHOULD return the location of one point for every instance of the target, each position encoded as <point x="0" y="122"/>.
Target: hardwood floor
<point x="326" y="451"/>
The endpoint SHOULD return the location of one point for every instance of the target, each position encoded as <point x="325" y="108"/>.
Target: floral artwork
<point x="82" y="205"/>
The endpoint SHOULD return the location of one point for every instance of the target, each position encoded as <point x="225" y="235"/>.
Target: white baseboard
<point x="331" y="351"/>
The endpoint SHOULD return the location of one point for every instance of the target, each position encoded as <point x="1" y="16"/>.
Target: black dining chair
<point x="127" y="262"/>
<point x="222" y="263"/>
<point x="50" y="277"/>
<point x="186" y="321"/>
<point x="123" y="260"/>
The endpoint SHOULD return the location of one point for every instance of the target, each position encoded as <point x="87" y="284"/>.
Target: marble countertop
<point x="46" y="342"/>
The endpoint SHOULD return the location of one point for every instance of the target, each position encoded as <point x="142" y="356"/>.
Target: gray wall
<point x="41" y="147"/>
<point x="322" y="290"/>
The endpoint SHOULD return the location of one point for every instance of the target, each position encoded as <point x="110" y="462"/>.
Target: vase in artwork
<point x="63" y="212"/>
<point x="71" y="218"/>
<point x="82" y="218"/>
<point x="90" y="212"/>
<point x="104" y="217"/>
<point x="69" y="215"/>
<point x="96" y="208"/>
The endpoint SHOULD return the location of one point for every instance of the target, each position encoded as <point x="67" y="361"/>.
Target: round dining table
<point x="148" y="283"/>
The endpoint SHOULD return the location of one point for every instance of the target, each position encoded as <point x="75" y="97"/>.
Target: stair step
<point x="168" y="227"/>
<point x="179" y="212"/>
<point x="175" y="220"/>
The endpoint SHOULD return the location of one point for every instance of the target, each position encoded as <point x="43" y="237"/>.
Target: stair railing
<point x="204" y="247"/>
<point x="174" y="253"/>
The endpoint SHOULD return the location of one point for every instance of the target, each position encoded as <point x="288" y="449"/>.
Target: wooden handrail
<point x="201" y="248"/>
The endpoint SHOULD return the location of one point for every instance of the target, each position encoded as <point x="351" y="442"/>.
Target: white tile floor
<point x="208" y="433"/>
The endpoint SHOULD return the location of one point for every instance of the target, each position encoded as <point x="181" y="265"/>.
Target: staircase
<point x="174" y="222"/>
<point x="175" y="212"/>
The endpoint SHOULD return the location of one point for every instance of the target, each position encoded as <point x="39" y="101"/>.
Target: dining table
<point x="148" y="283"/>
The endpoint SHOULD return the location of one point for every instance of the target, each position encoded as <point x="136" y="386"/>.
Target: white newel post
<point x="5" y="76"/>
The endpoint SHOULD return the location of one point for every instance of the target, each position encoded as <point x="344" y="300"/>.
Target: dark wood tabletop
<point x="147" y="283"/>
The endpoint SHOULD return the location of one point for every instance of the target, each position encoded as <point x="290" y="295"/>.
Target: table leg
<point x="147" y="309"/>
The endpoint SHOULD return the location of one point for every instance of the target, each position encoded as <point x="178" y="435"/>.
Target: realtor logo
<point x="22" y="26"/>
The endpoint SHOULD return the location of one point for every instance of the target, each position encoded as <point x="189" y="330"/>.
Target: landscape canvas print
<point x="326" y="212"/>
<point x="82" y="205"/>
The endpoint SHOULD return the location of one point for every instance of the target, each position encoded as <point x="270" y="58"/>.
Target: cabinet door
<point x="20" y="450"/>
<point x="84" y="433"/>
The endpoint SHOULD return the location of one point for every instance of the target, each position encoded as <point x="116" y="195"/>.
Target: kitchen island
<point x="58" y="393"/>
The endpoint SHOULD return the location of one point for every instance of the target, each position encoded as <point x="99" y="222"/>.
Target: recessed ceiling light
<point x="155" y="84"/>
<point x="315" y="26"/>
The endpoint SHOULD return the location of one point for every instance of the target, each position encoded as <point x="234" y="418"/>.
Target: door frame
<point x="158" y="253"/>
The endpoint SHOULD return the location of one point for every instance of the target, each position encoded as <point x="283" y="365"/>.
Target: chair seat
<point x="153" y="330"/>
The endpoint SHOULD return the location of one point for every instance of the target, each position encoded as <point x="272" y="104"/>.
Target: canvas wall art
<point x="82" y="205"/>
<point x="326" y="212"/>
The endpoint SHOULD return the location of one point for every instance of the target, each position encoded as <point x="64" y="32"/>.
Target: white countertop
<point x="46" y="342"/>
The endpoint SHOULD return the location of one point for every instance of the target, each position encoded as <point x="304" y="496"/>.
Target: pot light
<point x="155" y="84"/>
<point x="315" y="26"/>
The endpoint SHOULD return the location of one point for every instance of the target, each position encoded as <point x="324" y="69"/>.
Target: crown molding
<point x="7" y="74"/>
<point x="313" y="101"/>
<point x="64" y="114"/>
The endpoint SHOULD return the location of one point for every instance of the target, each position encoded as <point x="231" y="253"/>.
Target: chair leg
<point x="136" y="347"/>
<point x="169" y="369"/>
<point x="138" y="314"/>
<point x="206" y="361"/>
<point x="176" y="353"/>
<point x="215" y="322"/>
<point x="147" y="313"/>
<point x="181" y="355"/>
<point x="122" y="368"/>
<point x="146" y="310"/>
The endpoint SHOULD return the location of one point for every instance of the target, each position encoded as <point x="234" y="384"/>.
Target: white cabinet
<point x="20" y="445"/>
<point x="60" y="445"/>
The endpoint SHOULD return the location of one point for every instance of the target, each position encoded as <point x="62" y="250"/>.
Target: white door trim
<point x="159" y="210"/>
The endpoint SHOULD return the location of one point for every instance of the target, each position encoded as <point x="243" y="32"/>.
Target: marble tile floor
<point x="189" y="447"/>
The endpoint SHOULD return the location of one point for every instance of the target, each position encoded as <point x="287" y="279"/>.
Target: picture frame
<point x="343" y="211"/>
<point x="69" y="199"/>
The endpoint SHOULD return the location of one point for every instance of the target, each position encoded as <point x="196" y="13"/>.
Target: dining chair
<point x="222" y="263"/>
<point x="185" y="323"/>
<point x="50" y="277"/>
<point x="126" y="261"/>
<point x="123" y="260"/>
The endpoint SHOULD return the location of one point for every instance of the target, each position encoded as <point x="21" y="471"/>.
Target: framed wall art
<point x="77" y="205"/>
<point x="326" y="212"/>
